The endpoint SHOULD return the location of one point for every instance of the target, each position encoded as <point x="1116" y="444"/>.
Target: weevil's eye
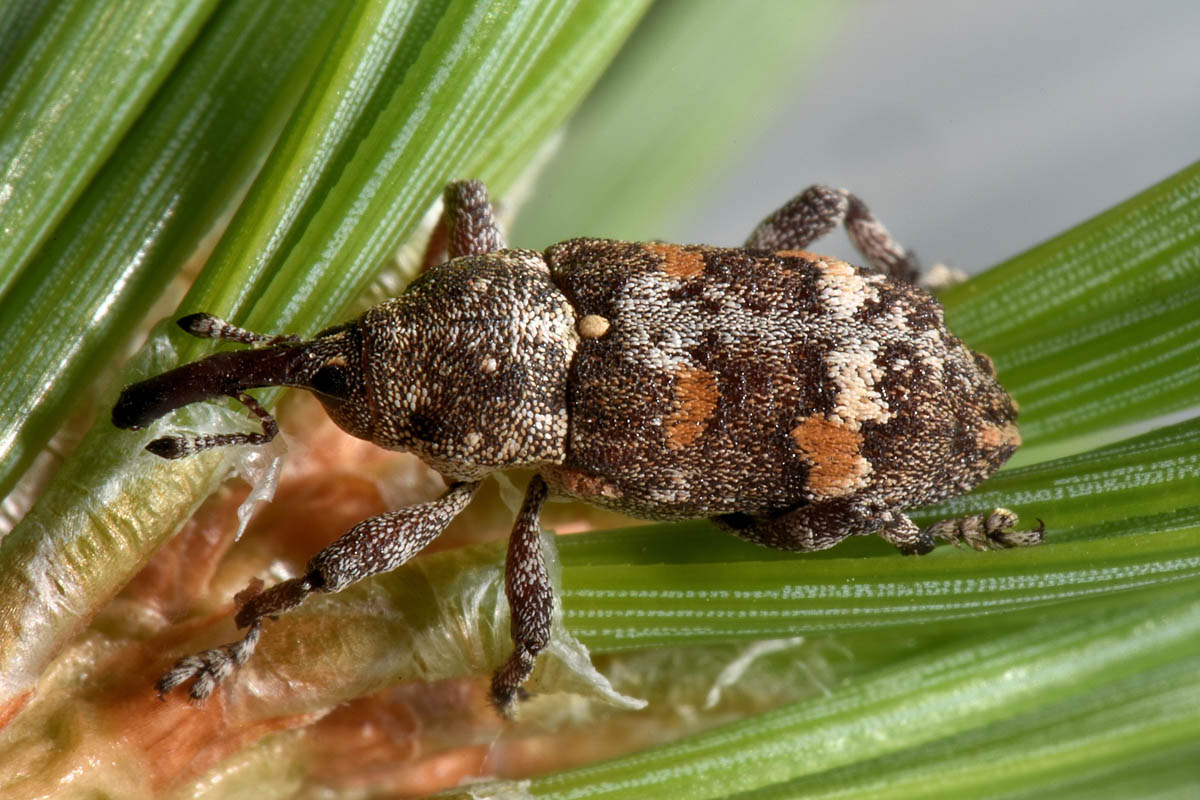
<point x="333" y="379"/>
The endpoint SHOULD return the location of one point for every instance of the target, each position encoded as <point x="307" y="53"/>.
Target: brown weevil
<point x="791" y="398"/>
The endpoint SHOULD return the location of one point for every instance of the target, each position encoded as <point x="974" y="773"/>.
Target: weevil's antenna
<point x="206" y="326"/>
<point x="276" y="362"/>
<point x="184" y="446"/>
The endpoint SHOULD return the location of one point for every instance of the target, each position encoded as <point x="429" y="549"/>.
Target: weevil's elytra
<point x="790" y="397"/>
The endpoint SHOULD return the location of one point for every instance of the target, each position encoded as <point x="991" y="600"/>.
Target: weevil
<point x="789" y="397"/>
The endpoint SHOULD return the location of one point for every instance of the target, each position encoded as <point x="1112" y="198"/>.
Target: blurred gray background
<point x="974" y="130"/>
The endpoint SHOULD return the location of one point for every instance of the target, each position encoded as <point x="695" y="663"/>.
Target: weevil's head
<point x="468" y="369"/>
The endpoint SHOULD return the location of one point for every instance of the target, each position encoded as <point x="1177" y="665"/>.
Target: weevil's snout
<point x="139" y="405"/>
<point x="277" y="361"/>
<point x="217" y="376"/>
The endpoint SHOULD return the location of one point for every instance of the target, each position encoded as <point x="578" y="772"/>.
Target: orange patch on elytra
<point x="678" y="262"/>
<point x="696" y="396"/>
<point x="995" y="436"/>
<point x="834" y="455"/>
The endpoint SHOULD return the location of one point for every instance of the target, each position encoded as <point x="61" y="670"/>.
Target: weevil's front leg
<point x="467" y="225"/>
<point x="379" y="544"/>
<point x="817" y="211"/>
<point x="530" y="601"/>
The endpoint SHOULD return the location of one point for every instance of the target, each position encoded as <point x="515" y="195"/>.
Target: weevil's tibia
<point x="530" y="601"/>
<point x="379" y="544"/>
<point x="206" y="326"/>
<point x="817" y="211"/>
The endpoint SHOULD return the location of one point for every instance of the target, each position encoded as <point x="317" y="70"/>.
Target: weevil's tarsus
<point x="992" y="531"/>
<point x="209" y="667"/>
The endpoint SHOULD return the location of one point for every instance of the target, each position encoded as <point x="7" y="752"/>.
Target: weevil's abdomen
<point x="711" y="380"/>
<point x="468" y="368"/>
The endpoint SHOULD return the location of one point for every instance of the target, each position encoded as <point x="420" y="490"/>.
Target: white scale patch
<point x="854" y="373"/>
<point x="853" y="365"/>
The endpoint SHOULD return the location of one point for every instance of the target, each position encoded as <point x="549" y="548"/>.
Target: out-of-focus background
<point x="974" y="130"/>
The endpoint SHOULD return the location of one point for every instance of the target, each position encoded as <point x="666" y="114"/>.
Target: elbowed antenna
<point x="219" y="375"/>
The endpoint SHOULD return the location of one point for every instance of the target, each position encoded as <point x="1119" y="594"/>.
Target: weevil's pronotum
<point x="791" y="398"/>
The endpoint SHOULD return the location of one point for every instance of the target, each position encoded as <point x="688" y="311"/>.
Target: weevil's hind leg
<point x="184" y="446"/>
<point x="982" y="532"/>
<point x="467" y="226"/>
<point x="817" y="211"/>
<point x="530" y="600"/>
<point x="803" y="529"/>
<point x="206" y="326"/>
<point x="992" y="531"/>
<point x="822" y="525"/>
<point x="375" y="545"/>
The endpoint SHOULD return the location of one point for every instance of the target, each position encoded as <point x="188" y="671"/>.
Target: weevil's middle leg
<point x="375" y="545"/>
<point x="467" y="226"/>
<point x="817" y="211"/>
<point x="530" y="601"/>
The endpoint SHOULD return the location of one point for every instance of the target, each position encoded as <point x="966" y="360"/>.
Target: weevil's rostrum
<point x="792" y="398"/>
